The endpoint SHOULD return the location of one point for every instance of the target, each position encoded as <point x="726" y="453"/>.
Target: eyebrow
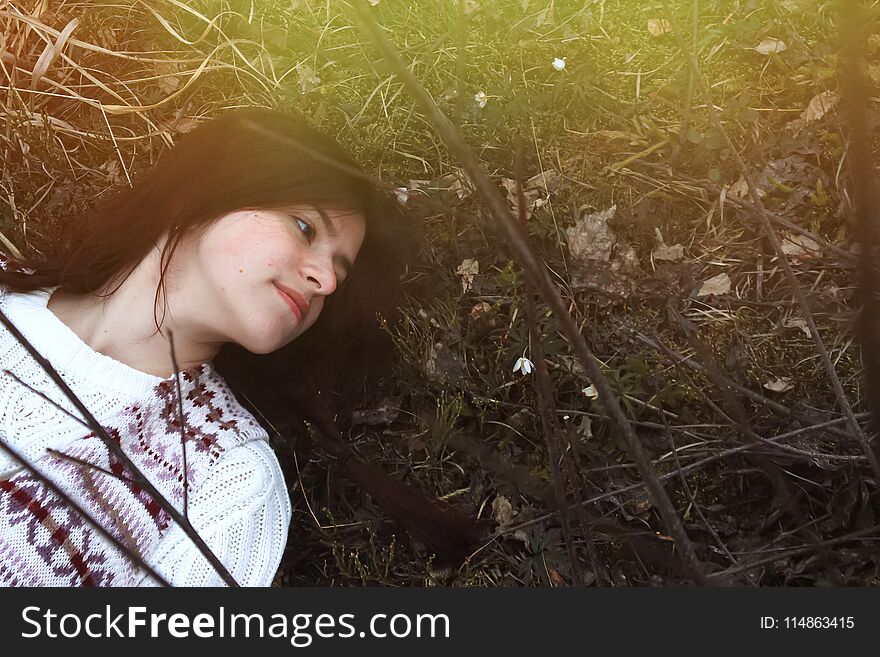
<point x="341" y="258"/>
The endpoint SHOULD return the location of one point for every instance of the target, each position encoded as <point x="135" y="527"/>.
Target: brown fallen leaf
<point x="793" y="322"/>
<point x="818" y="107"/>
<point x="591" y="238"/>
<point x="779" y="384"/>
<point x="502" y="511"/>
<point x="658" y="26"/>
<point x="719" y="284"/>
<point x="467" y="270"/>
<point x="555" y="577"/>
<point x="800" y="247"/>
<point x="770" y="46"/>
<point x="664" y="252"/>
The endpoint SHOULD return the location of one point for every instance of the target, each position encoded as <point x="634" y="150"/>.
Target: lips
<point x="295" y="301"/>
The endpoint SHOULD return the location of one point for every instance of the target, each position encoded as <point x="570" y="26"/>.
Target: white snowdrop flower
<point x="524" y="365"/>
<point x="559" y="64"/>
<point x="402" y="194"/>
<point x="591" y="392"/>
<point x="481" y="98"/>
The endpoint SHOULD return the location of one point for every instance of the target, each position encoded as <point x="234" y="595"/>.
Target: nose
<point x="321" y="276"/>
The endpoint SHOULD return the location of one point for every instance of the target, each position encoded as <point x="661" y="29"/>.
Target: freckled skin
<point x="267" y="247"/>
<point x="220" y="288"/>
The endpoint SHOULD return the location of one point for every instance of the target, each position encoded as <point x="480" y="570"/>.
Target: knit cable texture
<point x="237" y="497"/>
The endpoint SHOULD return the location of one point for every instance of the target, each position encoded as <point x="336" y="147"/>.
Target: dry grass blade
<point x="51" y="53"/>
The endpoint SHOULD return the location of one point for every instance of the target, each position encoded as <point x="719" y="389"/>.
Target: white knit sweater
<point x="240" y="506"/>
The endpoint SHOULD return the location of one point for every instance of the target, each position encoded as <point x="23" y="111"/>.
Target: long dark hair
<point x="258" y="158"/>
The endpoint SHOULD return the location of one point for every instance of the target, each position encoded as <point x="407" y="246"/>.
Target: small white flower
<point x="402" y="194"/>
<point x="559" y="64"/>
<point x="523" y="364"/>
<point x="481" y="98"/>
<point x="591" y="392"/>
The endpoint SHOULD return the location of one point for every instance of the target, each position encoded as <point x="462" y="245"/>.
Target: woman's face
<point x="232" y="276"/>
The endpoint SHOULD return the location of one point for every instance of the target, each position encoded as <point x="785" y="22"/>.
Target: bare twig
<point x="536" y="272"/>
<point x="780" y="254"/>
<point x="679" y="359"/>
<point x="126" y="550"/>
<point x="549" y="423"/>
<point x="855" y="99"/>
<point x="137" y="476"/>
<point x="176" y="370"/>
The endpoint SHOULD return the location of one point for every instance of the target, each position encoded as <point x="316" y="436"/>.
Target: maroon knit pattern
<point x="44" y="542"/>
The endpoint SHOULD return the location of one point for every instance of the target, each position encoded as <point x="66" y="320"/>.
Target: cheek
<point x="314" y="313"/>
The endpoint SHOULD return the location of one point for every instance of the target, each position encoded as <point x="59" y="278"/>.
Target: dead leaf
<point x="770" y="46"/>
<point x="719" y="284"/>
<point x="779" y="384"/>
<point x="111" y="168"/>
<point x="308" y="81"/>
<point x="740" y="189"/>
<point x="442" y="364"/>
<point x="658" y="26"/>
<point x="545" y="17"/>
<point x="385" y="413"/>
<point x="614" y="135"/>
<point x="531" y="197"/>
<point x="467" y="270"/>
<point x="413" y="441"/>
<point x="483" y="316"/>
<point x="502" y="511"/>
<point x="546" y="182"/>
<point x="800" y="247"/>
<point x="591" y="238"/>
<point x="555" y="577"/>
<point x="591" y="392"/>
<point x="794" y="322"/>
<point x="456" y="183"/>
<point x="818" y="106"/>
<point x="664" y="252"/>
<point x="167" y="76"/>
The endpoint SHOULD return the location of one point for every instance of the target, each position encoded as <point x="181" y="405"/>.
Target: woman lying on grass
<point x="252" y="230"/>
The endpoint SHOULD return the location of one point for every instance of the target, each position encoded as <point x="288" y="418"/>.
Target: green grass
<point x="618" y="77"/>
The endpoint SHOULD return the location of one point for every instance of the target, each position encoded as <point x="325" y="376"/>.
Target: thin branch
<point x="85" y="464"/>
<point x="127" y="551"/>
<point x="176" y="370"/>
<point x="855" y="98"/>
<point x="862" y="533"/>
<point x="536" y="272"/>
<point x="544" y="391"/>
<point x="770" y="233"/>
<point x="117" y="451"/>
<point x="687" y="361"/>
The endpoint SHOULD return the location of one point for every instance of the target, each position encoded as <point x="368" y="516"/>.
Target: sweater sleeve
<point x="242" y="511"/>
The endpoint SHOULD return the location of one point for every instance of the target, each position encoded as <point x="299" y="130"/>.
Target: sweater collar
<point x="72" y="357"/>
